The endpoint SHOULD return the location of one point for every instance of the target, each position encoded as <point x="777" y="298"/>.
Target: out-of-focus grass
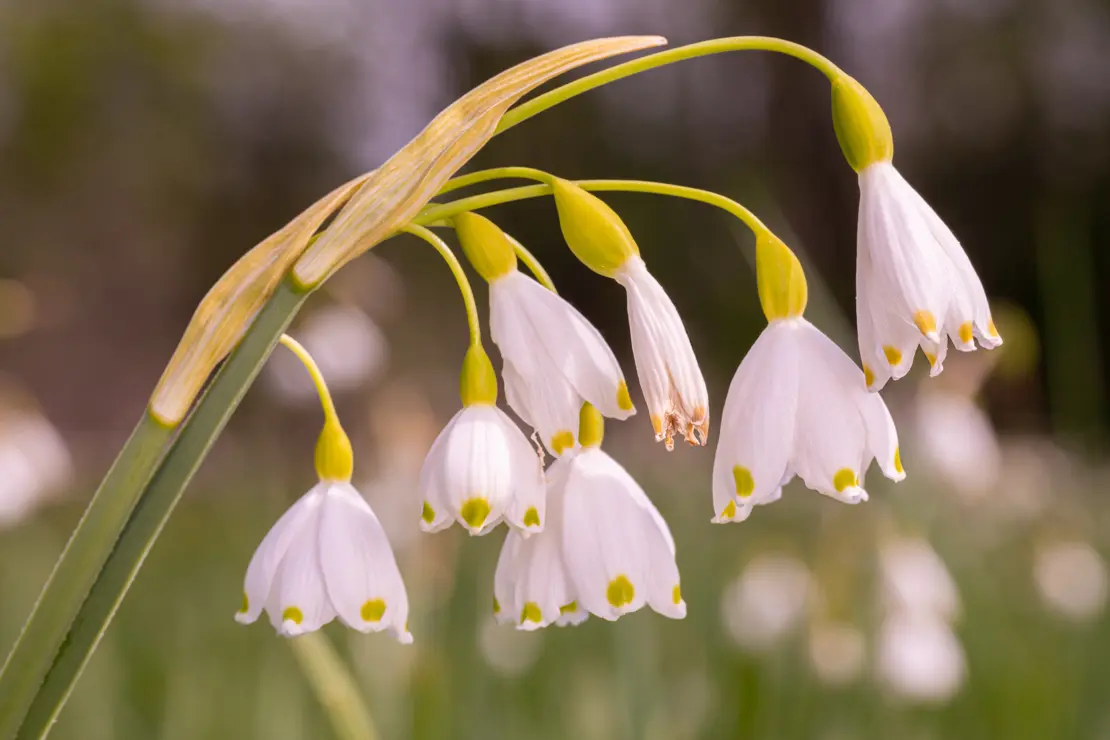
<point x="175" y="664"/>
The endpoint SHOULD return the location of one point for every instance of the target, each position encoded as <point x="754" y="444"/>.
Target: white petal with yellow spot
<point x="481" y="469"/>
<point x="554" y="360"/>
<point x="915" y="285"/>
<point x="798" y="406"/>
<point x="669" y="375"/>
<point x="327" y="556"/>
<point x="606" y="551"/>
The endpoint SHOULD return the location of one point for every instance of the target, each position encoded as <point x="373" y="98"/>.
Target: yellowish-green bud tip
<point x="335" y="460"/>
<point x="591" y="426"/>
<point x="486" y="246"/>
<point x="593" y="230"/>
<point x="478" y="384"/>
<point x="860" y="124"/>
<point x="782" y="284"/>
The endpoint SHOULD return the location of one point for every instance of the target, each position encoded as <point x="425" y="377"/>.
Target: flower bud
<point x="478" y="382"/>
<point x="779" y="275"/>
<point x="335" y="460"/>
<point x="593" y="231"/>
<point x="486" y="246"/>
<point x="860" y="124"/>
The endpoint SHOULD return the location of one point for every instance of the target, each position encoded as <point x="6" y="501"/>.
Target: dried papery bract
<point x="376" y="206"/>
<point x="398" y="189"/>
<point x="223" y="316"/>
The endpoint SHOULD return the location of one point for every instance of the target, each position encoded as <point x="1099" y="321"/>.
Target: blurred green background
<point x="146" y="144"/>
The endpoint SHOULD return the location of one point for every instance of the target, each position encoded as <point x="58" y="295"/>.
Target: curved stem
<point x="497" y="173"/>
<point x="509" y="195"/>
<point x="532" y="264"/>
<point x="313" y="370"/>
<point x="539" y="104"/>
<point x="417" y="229"/>
<point x="334" y="686"/>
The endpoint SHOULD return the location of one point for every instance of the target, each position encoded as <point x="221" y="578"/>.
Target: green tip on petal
<point x="474" y="512"/>
<point x="373" y="610"/>
<point x="532" y="517"/>
<point x="531" y="613"/>
<point x="620" y="592"/>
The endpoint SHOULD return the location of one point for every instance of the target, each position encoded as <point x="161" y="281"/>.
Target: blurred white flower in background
<point x="508" y="652"/>
<point x="767" y="601"/>
<point x="34" y="463"/>
<point x="919" y="657"/>
<point x="956" y="441"/>
<point x="915" y="579"/>
<point x="836" y="652"/>
<point x="1071" y="579"/>
<point x="347" y="345"/>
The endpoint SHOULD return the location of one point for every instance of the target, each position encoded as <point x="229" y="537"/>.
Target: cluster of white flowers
<point x="583" y="536"/>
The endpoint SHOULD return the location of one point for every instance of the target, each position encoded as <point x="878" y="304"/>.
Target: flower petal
<point x="267" y="558"/>
<point x="360" y="572"/>
<point x="669" y="375"/>
<point x="526" y="507"/>
<point x="434" y="512"/>
<point x="547" y="403"/>
<point x="898" y="239"/>
<point x="831" y="437"/>
<point x="564" y="339"/>
<point x="881" y="435"/>
<point x="604" y="543"/>
<point x="757" y="426"/>
<point x="298" y="601"/>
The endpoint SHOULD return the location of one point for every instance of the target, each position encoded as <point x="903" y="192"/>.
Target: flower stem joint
<point x="486" y="247"/>
<point x="593" y="231"/>
<point x="335" y="460"/>
<point x="478" y="382"/>
<point x="860" y="123"/>
<point x="781" y="281"/>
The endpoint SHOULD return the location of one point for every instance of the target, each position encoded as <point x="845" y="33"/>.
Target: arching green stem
<point x="418" y="229"/>
<point x="509" y="195"/>
<point x="539" y="104"/>
<point x="497" y="173"/>
<point x="532" y="264"/>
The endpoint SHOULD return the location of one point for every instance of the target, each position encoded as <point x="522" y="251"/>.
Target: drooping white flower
<point x="914" y="283"/>
<point x="1072" y="579"/>
<point x="767" y="601"/>
<point x="798" y="406"/>
<point x="957" y="440"/>
<point x="915" y="579"/>
<point x="919" y="657"/>
<point x="669" y="375"/>
<point x="837" y="652"/>
<point x="481" y="469"/>
<point x="554" y="360"/>
<point x="327" y="556"/>
<point x="605" y="549"/>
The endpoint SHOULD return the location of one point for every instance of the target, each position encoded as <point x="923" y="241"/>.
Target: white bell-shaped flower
<point x="605" y="549"/>
<point x="482" y="469"/>
<point x="915" y="285"/>
<point x="554" y="360"/>
<point x="327" y="556"/>
<point x="798" y="406"/>
<point x="669" y="375"/>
